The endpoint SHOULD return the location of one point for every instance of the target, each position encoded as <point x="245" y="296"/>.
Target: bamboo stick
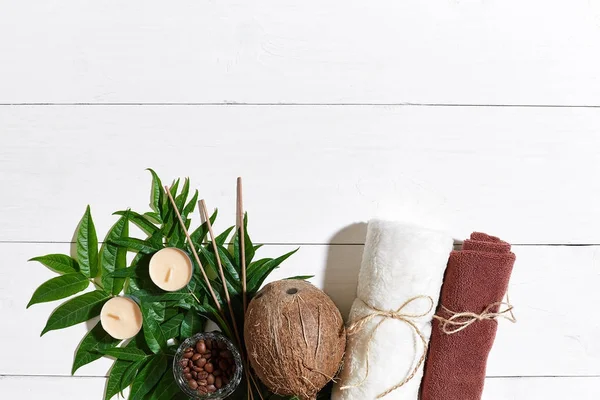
<point x="194" y="252"/>
<point x="242" y="240"/>
<point x="204" y="211"/>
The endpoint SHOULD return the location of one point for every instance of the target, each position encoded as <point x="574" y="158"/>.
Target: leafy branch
<point x="143" y="362"/>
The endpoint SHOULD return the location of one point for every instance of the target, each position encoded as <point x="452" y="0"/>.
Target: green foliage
<point x="90" y="348"/>
<point x="77" y="310"/>
<point x="145" y="361"/>
<point x="60" y="263"/>
<point x="87" y="245"/>
<point x="114" y="258"/>
<point x="59" y="288"/>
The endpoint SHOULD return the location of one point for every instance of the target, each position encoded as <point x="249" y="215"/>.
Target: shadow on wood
<point x="343" y="264"/>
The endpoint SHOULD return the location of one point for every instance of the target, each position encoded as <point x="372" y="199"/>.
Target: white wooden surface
<point x="309" y="102"/>
<point x="282" y="51"/>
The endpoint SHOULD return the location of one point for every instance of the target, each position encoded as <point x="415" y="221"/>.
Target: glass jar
<point x="222" y="343"/>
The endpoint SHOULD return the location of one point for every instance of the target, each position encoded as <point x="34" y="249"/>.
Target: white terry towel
<point x="400" y="262"/>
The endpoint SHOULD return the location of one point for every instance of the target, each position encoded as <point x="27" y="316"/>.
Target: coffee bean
<point x="188" y="349"/>
<point x="202" y="382"/>
<point x="211" y="388"/>
<point x="208" y="343"/>
<point x="202" y="390"/>
<point x="183" y="363"/>
<point x="217" y="372"/>
<point x="188" y="354"/>
<point x="201" y="362"/>
<point x="201" y="346"/>
<point x="186" y="370"/>
<point x="187" y="376"/>
<point x="196" y="368"/>
<point x="194" y="374"/>
<point x="218" y="382"/>
<point x="196" y="356"/>
<point x="193" y="384"/>
<point x="209" y="367"/>
<point x="210" y="379"/>
<point x="202" y="375"/>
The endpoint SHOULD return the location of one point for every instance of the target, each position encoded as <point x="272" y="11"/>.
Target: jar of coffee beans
<point x="207" y="366"/>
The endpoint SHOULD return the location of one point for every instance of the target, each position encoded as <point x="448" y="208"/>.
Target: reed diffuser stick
<point x="204" y="215"/>
<point x="242" y="239"/>
<point x="194" y="252"/>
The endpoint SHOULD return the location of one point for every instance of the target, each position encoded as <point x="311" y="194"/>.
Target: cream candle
<point x="121" y="318"/>
<point x="171" y="269"/>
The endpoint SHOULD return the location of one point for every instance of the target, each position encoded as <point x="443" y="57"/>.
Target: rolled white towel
<point x="401" y="263"/>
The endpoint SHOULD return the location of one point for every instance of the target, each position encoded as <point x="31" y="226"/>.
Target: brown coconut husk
<point x="295" y="338"/>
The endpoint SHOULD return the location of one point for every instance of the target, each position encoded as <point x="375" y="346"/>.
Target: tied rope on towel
<point x="398" y="315"/>
<point x="458" y="321"/>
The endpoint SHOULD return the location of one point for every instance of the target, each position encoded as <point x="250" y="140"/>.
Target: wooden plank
<point x="273" y="51"/>
<point x="310" y="171"/>
<point x="65" y="388"/>
<point x="555" y="335"/>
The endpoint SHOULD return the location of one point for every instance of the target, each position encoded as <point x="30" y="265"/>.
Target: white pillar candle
<point x="171" y="269"/>
<point x="121" y="318"/>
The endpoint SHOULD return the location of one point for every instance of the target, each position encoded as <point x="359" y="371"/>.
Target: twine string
<point x="398" y="315"/>
<point x="457" y="321"/>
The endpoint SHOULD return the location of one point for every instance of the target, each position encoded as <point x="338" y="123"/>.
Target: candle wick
<point x="113" y="316"/>
<point x="169" y="274"/>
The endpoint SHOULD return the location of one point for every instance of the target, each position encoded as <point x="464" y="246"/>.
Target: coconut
<point x="295" y="338"/>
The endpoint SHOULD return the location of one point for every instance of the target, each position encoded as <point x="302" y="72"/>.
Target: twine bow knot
<point x="457" y="321"/>
<point x="398" y="315"/>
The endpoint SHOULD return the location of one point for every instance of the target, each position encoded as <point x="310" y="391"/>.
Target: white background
<point x="460" y="115"/>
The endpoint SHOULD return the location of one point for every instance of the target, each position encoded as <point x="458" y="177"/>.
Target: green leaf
<point x="58" y="262"/>
<point x="93" y="342"/>
<point x="192" y="324"/>
<point x="124" y="353"/>
<point x="200" y="233"/>
<point x="249" y="247"/>
<point x="233" y="284"/>
<point x="258" y="274"/>
<point x="180" y="200"/>
<point x="175" y="187"/>
<point x="141" y="246"/>
<point x="155" y="339"/>
<point x="301" y="277"/>
<point x="191" y="206"/>
<point x="131" y="372"/>
<point x="167" y="388"/>
<point x="87" y="245"/>
<point x="76" y="310"/>
<point x="148" y="377"/>
<point x="59" y="288"/>
<point x="170" y="310"/>
<point x="171" y="327"/>
<point x="156" y="195"/>
<point x="114" y="258"/>
<point x="141" y="221"/>
<point x="113" y="386"/>
<point x="222" y="238"/>
<point x="172" y="296"/>
<point x="153" y="217"/>
<point x="124" y="273"/>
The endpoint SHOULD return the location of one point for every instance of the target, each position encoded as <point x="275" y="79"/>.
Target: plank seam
<point x="227" y="104"/>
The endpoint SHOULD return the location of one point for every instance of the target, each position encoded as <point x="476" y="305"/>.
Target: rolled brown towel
<point x="477" y="277"/>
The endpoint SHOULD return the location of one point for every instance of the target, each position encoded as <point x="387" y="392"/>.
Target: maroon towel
<point x="477" y="276"/>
